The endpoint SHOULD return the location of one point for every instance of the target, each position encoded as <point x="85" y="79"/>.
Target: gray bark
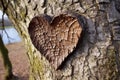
<point x="97" y="56"/>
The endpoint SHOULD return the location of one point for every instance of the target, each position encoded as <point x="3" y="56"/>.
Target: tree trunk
<point x="97" y="56"/>
<point x="7" y="63"/>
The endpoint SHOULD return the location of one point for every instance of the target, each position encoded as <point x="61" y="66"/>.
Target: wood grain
<point x="55" y="39"/>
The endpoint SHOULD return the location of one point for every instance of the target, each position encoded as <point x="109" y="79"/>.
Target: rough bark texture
<point x="55" y="40"/>
<point x="97" y="56"/>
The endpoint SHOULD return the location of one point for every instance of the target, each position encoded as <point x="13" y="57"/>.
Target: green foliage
<point x="1" y="28"/>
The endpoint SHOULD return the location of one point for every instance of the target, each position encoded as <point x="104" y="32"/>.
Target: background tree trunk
<point x="7" y="64"/>
<point x="97" y="56"/>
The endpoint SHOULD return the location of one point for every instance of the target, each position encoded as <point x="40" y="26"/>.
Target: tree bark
<point x="97" y="56"/>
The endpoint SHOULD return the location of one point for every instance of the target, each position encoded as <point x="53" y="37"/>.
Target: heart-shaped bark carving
<point x="55" y="39"/>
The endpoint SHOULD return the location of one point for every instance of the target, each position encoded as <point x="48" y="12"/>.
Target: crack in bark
<point x="29" y="1"/>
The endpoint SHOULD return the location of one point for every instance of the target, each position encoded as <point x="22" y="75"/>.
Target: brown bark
<point x="97" y="56"/>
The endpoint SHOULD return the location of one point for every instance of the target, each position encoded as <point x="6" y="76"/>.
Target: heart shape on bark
<point x="55" y="39"/>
